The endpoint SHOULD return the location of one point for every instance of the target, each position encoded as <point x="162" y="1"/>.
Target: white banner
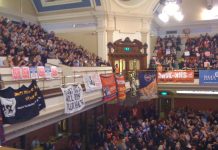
<point x="92" y="82"/>
<point x="73" y="98"/>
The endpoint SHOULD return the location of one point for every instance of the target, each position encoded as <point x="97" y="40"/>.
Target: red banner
<point x="25" y="73"/>
<point x="121" y="87"/>
<point x="16" y="73"/>
<point x="108" y="87"/>
<point x="176" y="76"/>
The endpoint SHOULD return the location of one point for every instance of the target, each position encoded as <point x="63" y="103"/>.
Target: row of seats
<point x="27" y="44"/>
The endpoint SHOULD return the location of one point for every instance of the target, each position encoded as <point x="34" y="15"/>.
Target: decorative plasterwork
<point x="57" y="5"/>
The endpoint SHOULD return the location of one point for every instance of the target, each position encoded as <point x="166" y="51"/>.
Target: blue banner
<point x="208" y="77"/>
<point x="148" y="85"/>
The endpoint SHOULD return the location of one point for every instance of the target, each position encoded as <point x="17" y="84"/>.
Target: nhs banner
<point x="208" y="77"/>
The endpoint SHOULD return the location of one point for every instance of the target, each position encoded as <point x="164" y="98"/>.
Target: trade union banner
<point x="108" y="87"/>
<point x="73" y="98"/>
<point x="147" y="85"/>
<point x="208" y="77"/>
<point x="121" y="87"/>
<point x="92" y="82"/>
<point x="176" y="76"/>
<point x="21" y="104"/>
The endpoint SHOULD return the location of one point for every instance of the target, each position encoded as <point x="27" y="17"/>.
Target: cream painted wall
<point x="88" y="40"/>
<point x="18" y="9"/>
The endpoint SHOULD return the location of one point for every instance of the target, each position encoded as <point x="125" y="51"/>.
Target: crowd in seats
<point x="182" y="129"/>
<point x="199" y="53"/>
<point x="202" y="52"/>
<point x="27" y="44"/>
<point x="166" y="49"/>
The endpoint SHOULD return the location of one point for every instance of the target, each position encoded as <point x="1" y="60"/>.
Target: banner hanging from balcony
<point x="208" y="77"/>
<point x="176" y="76"/>
<point x="92" y="82"/>
<point x="108" y="87"/>
<point x="121" y="87"/>
<point x="21" y="104"/>
<point x="147" y="85"/>
<point x="73" y="98"/>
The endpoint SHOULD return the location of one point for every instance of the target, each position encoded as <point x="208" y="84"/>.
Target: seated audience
<point x="27" y="41"/>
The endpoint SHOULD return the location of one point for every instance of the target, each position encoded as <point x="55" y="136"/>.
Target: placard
<point x="25" y="73"/>
<point x="16" y="73"/>
<point x="54" y="71"/>
<point x="47" y="72"/>
<point x="33" y="73"/>
<point x="41" y="71"/>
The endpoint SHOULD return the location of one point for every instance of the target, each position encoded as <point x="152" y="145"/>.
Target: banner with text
<point x="208" y="77"/>
<point x="121" y="87"/>
<point x="21" y="104"/>
<point x="108" y="87"/>
<point x="147" y="85"/>
<point x="92" y="82"/>
<point x="176" y="76"/>
<point x="73" y="98"/>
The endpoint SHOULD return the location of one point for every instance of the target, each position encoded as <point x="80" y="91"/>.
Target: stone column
<point x="102" y="44"/>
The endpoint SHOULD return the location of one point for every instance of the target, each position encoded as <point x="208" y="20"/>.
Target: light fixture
<point x="178" y="16"/>
<point x="163" y="17"/>
<point x="198" y="92"/>
<point x="171" y="9"/>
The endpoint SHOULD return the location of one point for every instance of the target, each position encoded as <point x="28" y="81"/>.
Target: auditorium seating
<point x="27" y="44"/>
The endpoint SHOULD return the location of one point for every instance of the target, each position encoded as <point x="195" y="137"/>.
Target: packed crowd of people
<point x="199" y="53"/>
<point x="203" y="52"/>
<point x="182" y="129"/>
<point x="166" y="51"/>
<point x="27" y="44"/>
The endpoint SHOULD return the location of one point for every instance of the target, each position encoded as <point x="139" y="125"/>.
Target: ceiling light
<point x="179" y="16"/>
<point x="163" y="17"/>
<point x="171" y="8"/>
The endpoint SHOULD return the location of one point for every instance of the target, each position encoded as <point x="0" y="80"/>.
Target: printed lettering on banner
<point x="73" y="98"/>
